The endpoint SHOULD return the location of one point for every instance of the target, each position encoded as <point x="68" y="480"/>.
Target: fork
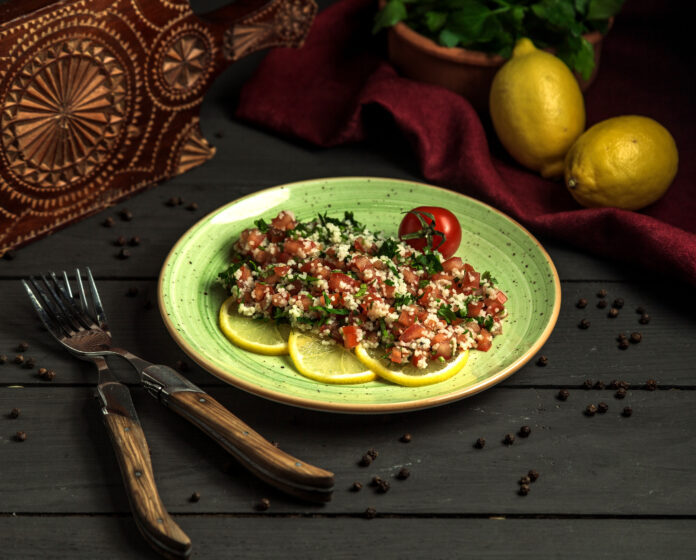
<point x="87" y="336"/>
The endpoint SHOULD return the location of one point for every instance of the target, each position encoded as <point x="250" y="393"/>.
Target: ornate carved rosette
<point x="293" y="18"/>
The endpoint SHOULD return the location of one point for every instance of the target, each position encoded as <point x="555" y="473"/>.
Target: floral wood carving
<point x="100" y="98"/>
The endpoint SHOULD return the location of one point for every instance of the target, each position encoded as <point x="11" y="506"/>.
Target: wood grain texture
<point x="151" y="517"/>
<point x="252" y="450"/>
<point x="604" y="465"/>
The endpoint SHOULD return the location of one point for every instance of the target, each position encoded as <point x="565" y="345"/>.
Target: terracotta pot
<point x="466" y="72"/>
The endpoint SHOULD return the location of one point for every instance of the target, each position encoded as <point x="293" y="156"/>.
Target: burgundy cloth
<point x="320" y="93"/>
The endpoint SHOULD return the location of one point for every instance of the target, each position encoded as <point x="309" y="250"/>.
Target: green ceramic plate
<point x="189" y="296"/>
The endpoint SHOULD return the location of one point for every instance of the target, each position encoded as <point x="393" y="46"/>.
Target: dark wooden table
<point x="609" y="486"/>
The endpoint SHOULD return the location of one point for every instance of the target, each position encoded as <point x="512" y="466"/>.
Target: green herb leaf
<point x="261" y="225"/>
<point x="402" y="299"/>
<point x="393" y="13"/>
<point x="435" y="20"/>
<point x="362" y="291"/>
<point x="487" y="276"/>
<point x="446" y="313"/>
<point x="390" y="248"/>
<point x="603" y="9"/>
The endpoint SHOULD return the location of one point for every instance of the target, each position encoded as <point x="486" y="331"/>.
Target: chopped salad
<point x="352" y="286"/>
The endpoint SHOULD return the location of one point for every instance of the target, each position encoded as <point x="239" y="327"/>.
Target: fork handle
<point x="130" y="446"/>
<point x="254" y="452"/>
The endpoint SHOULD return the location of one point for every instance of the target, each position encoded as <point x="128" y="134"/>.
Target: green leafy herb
<point x="494" y="26"/>
<point x="362" y="291"/>
<point x="427" y="261"/>
<point x="486" y="322"/>
<point x="487" y="276"/>
<point x="390" y="248"/>
<point x="445" y="312"/>
<point x="261" y="225"/>
<point x="402" y="299"/>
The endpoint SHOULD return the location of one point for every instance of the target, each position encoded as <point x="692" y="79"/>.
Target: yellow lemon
<point x="255" y="335"/>
<point x="537" y="108"/>
<point x="410" y="375"/>
<point x="626" y="162"/>
<point x="323" y="360"/>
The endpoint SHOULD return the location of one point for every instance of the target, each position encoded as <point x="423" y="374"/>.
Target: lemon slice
<point x="255" y="335"/>
<point x="328" y="363"/>
<point x="410" y="375"/>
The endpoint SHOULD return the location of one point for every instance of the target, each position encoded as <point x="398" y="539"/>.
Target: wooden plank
<point x="346" y="538"/>
<point x="667" y="352"/>
<point x="607" y="464"/>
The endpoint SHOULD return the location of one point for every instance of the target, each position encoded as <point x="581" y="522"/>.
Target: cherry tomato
<point x="445" y="222"/>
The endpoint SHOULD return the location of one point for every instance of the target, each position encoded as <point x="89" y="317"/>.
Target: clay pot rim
<point x="460" y="55"/>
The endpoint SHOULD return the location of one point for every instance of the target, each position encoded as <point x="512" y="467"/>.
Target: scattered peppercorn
<point x="42" y="371"/>
<point x="524" y="490"/>
<point x="599" y="385"/>
<point x="3" y="359"/>
<point x="563" y="395"/>
<point x="542" y="361"/>
<point x="120" y="241"/>
<point x="590" y="410"/>
<point x="134" y="241"/>
<point x="372" y="453"/>
<point x="602" y="293"/>
<point x="406" y="438"/>
<point x="623" y="344"/>
<point x="509" y="439"/>
<point x="22" y="347"/>
<point x="132" y="291"/>
<point x="602" y="407"/>
<point x="533" y="475"/>
<point x="624" y="385"/>
<point x="602" y="303"/>
<point x="587" y="384"/>
<point x="365" y="461"/>
<point x="263" y="504"/>
<point x="644" y="319"/>
<point x="356" y="487"/>
<point x="375" y="480"/>
<point x="581" y="304"/>
<point x="525" y="431"/>
<point x="125" y="215"/>
<point x="640" y="310"/>
<point x="19" y="359"/>
<point x="636" y="337"/>
<point x="621" y="337"/>
<point x="20" y="436"/>
<point x="195" y="497"/>
<point x="584" y="324"/>
<point x="29" y="363"/>
<point x="49" y="375"/>
<point x="123" y="254"/>
<point x="620" y="394"/>
<point x="480" y="443"/>
<point x="14" y="413"/>
<point x="109" y="222"/>
<point x="174" y="201"/>
<point x="370" y="513"/>
<point x="627" y="411"/>
<point x="191" y="207"/>
<point x="383" y="486"/>
<point x="651" y="385"/>
<point x="614" y="384"/>
<point x="618" y="303"/>
<point x="524" y="480"/>
<point x="613" y="313"/>
<point x="403" y="474"/>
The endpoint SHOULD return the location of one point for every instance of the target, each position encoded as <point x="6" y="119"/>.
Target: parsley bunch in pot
<point x="460" y="44"/>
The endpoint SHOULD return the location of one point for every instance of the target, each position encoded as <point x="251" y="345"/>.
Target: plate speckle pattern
<point x="190" y="297"/>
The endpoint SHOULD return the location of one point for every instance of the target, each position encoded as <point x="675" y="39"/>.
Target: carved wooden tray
<point x="100" y="98"/>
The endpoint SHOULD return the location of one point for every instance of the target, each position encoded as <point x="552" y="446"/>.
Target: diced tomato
<point x="275" y="235"/>
<point x="250" y="239"/>
<point x="429" y="293"/>
<point x="407" y="318"/>
<point x="444" y="349"/>
<point x="360" y="263"/>
<point x="261" y="290"/>
<point x="284" y="221"/>
<point x="474" y="308"/>
<point x="395" y="356"/>
<point x="454" y="263"/>
<point x="260" y="256"/>
<point x="339" y="282"/>
<point x="350" y="336"/>
<point x="316" y="268"/>
<point x="334" y="299"/>
<point x="502" y="298"/>
<point x="361" y="245"/>
<point x="278" y="273"/>
<point x="279" y="300"/>
<point x="434" y="324"/>
<point x="493" y="306"/>
<point x="441" y="276"/>
<point x="471" y="279"/>
<point x="413" y="332"/>
<point x="484" y="344"/>
<point x="388" y="290"/>
<point x="245" y="273"/>
<point x="304" y="302"/>
<point x="410" y="277"/>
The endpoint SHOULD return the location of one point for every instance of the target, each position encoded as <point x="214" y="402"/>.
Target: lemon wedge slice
<point x="330" y="363"/>
<point x="409" y="375"/>
<point x="263" y="337"/>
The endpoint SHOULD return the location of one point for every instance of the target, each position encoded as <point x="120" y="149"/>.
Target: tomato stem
<point x="427" y="231"/>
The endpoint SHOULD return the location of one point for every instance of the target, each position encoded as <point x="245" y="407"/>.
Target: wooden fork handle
<point x="132" y="453"/>
<point x="252" y="450"/>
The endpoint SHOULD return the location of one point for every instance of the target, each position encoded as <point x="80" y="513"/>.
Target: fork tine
<point x="96" y="300"/>
<point x="66" y="283"/>
<point x="81" y="290"/>
<point x="47" y="317"/>
<point x="78" y="319"/>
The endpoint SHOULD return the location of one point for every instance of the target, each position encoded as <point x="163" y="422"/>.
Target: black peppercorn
<point x="365" y="461"/>
<point x="42" y="371"/>
<point x="640" y="310"/>
<point x="542" y="361"/>
<point x="584" y="324"/>
<point x="590" y="410"/>
<point x="191" y="207"/>
<point x="587" y="384"/>
<point x="125" y="215"/>
<point x="651" y="385"/>
<point x="509" y="439"/>
<point x="14" y="413"/>
<point x="636" y="337"/>
<point x="644" y="319"/>
<point x="618" y="303"/>
<point x="602" y="303"/>
<point x="120" y="241"/>
<point x="525" y="431"/>
<point x="403" y="474"/>
<point x="372" y="453"/>
<point x="22" y="347"/>
<point x="533" y="475"/>
<point x="599" y="385"/>
<point x="49" y="375"/>
<point x="602" y="407"/>
<point x="376" y="480"/>
<point x="3" y="359"/>
<point x="563" y="395"/>
<point x="623" y="344"/>
<point x="621" y="337"/>
<point x="134" y="241"/>
<point x="614" y="384"/>
<point x="480" y="443"/>
<point x="19" y="359"/>
<point x="263" y="504"/>
<point x="383" y="486"/>
<point x="123" y="254"/>
<point x="356" y="487"/>
<point x="109" y="222"/>
<point x="20" y="436"/>
<point x="613" y="313"/>
<point x="624" y="385"/>
<point x="524" y="480"/>
<point x="406" y="438"/>
<point x="602" y="293"/>
<point x="524" y="490"/>
<point x="627" y="411"/>
<point x="370" y="513"/>
<point x="581" y="304"/>
<point x="620" y="394"/>
<point x="29" y="363"/>
<point x="195" y="497"/>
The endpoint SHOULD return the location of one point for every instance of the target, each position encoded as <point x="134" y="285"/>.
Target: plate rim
<point x="357" y="408"/>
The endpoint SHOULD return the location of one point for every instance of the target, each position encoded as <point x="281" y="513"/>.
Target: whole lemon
<point x="627" y="162"/>
<point x="537" y="108"/>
